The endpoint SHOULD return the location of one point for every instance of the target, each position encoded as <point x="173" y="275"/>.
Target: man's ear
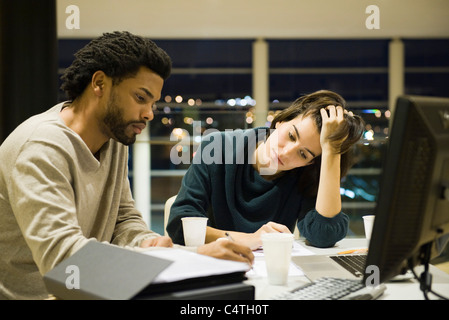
<point x="99" y="80"/>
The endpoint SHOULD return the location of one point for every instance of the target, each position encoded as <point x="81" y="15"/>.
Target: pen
<point x="228" y="236"/>
<point x="353" y="251"/>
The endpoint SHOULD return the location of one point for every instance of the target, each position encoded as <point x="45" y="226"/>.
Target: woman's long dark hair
<point x="310" y="105"/>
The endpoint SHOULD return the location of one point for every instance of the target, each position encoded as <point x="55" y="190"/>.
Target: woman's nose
<point x="289" y="149"/>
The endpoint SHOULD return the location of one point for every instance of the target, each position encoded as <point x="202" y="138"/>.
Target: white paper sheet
<point x="260" y="270"/>
<point x="297" y="250"/>
<point x="188" y="265"/>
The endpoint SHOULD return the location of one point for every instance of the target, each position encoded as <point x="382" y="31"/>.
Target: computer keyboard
<point x="332" y="289"/>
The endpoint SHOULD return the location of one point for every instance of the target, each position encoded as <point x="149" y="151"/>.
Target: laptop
<point x="333" y="277"/>
<point x="336" y="266"/>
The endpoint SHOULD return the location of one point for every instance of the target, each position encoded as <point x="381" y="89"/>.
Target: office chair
<point x="167" y="207"/>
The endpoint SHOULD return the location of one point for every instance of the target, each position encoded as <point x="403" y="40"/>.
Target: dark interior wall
<point x="28" y="60"/>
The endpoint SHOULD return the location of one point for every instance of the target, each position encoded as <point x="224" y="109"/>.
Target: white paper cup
<point x="368" y="222"/>
<point x="277" y="248"/>
<point x="194" y="229"/>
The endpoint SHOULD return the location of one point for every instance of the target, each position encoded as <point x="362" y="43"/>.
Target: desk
<point x="404" y="290"/>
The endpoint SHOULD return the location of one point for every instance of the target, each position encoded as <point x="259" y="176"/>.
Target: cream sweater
<point x="55" y="196"/>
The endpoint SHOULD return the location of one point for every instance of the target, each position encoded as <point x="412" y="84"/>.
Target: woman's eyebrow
<point x="297" y="134"/>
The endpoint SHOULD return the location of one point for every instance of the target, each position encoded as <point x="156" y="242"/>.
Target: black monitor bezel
<point x="382" y="253"/>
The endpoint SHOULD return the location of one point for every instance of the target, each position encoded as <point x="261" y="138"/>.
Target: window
<point x="211" y="84"/>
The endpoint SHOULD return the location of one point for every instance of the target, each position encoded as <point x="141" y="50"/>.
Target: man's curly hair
<point x="119" y="55"/>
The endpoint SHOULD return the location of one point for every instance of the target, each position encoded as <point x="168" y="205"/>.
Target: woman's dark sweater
<point x="223" y="185"/>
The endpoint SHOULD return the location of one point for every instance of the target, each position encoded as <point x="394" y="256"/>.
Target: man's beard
<point x="116" y="125"/>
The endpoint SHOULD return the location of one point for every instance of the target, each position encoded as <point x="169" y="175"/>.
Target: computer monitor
<point x="412" y="209"/>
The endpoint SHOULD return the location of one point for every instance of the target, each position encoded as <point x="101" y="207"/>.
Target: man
<point x="63" y="175"/>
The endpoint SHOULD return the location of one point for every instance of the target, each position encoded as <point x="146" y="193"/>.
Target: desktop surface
<point x="405" y="288"/>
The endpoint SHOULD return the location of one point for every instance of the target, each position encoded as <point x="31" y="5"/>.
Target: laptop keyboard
<point x="353" y="263"/>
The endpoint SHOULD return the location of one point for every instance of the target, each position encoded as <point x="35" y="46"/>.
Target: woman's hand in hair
<point x="334" y="128"/>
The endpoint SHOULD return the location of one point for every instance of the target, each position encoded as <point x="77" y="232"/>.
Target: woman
<point x="291" y="176"/>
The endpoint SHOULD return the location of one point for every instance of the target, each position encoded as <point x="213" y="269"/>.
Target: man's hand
<point x="227" y="250"/>
<point x="157" y="242"/>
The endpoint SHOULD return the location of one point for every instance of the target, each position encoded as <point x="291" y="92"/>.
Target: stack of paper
<point x="187" y="265"/>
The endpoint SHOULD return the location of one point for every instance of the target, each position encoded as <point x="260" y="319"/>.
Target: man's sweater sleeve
<point x="43" y="202"/>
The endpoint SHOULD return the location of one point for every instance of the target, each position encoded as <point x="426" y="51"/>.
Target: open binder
<point x="109" y="272"/>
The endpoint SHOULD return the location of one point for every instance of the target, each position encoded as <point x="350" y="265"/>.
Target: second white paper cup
<point x="194" y="229"/>
<point x="368" y="222"/>
<point x="277" y="248"/>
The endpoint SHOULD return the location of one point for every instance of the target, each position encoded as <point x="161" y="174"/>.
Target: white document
<point x="297" y="250"/>
<point x="187" y="264"/>
<point x="260" y="270"/>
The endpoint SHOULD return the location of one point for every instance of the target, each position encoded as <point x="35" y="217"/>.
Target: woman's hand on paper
<point x="253" y="240"/>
